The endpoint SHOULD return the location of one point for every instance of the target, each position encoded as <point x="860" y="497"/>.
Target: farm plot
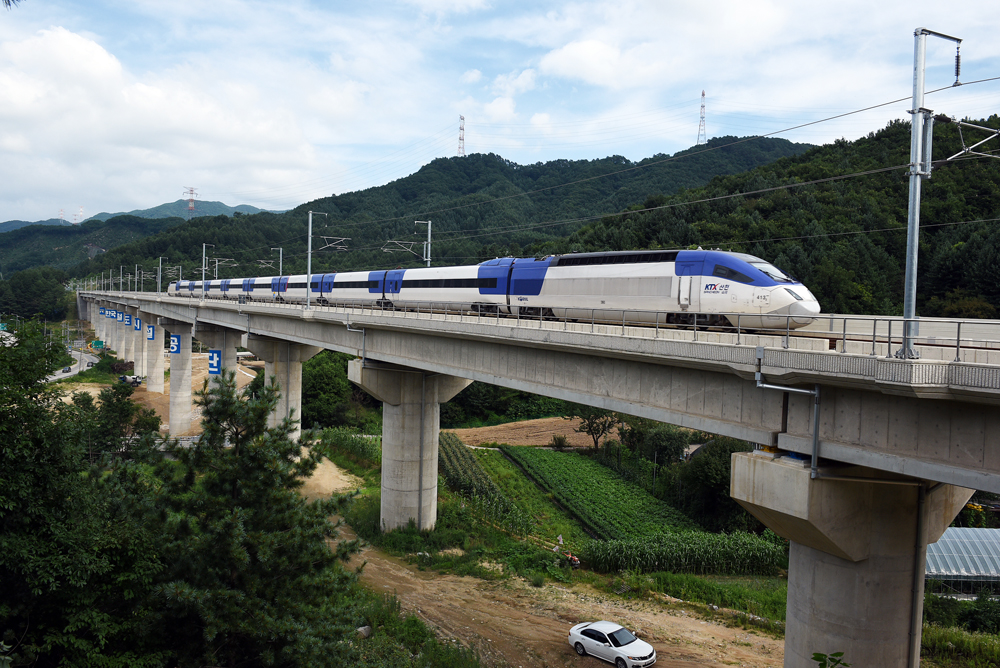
<point x="462" y="473"/>
<point x="608" y="506"/>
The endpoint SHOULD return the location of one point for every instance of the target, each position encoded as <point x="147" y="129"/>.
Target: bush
<point x="983" y="616"/>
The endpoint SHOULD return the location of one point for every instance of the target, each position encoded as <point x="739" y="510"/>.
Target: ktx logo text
<point x="717" y="288"/>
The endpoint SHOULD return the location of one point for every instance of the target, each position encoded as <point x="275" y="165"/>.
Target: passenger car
<point x="66" y="369"/>
<point x="613" y="643"/>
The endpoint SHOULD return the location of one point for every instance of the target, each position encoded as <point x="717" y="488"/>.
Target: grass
<point x="99" y="373"/>
<point x="459" y="542"/>
<point x="954" y="647"/>
<point x="761" y="596"/>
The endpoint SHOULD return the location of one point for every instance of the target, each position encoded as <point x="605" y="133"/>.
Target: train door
<point x="684" y="292"/>
<point x="393" y="284"/>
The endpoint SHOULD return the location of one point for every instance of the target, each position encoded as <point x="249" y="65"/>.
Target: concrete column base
<point x="853" y="554"/>
<point x="283" y="360"/>
<point x="411" y="421"/>
<point x="180" y="380"/>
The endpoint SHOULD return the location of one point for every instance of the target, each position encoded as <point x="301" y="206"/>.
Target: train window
<point x="356" y="284"/>
<point x="723" y="271"/>
<point x="771" y="271"/>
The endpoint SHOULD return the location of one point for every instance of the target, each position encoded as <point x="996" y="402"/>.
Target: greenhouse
<point x="964" y="561"/>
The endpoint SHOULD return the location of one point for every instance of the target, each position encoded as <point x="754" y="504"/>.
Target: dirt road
<point x="513" y="624"/>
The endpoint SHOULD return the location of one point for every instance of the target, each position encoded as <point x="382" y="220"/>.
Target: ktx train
<point x="668" y="286"/>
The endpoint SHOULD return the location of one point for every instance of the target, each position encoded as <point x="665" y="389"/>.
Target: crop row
<point x="348" y="441"/>
<point x="608" y="506"/>
<point x="688" y="552"/>
<point x="463" y="473"/>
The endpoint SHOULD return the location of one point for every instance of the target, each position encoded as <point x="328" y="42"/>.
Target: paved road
<point x="80" y="364"/>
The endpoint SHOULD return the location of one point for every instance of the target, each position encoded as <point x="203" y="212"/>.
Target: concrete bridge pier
<point x="111" y="327"/>
<point x="223" y="339"/>
<point x="283" y="360"/>
<point x="180" y="377"/>
<point x="858" y="553"/>
<point x="411" y="421"/>
<point x="154" y="352"/>
<point x="127" y="329"/>
<point x="139" y="341"/>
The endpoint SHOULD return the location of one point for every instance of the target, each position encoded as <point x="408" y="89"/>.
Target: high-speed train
<point x="666" y="286"/>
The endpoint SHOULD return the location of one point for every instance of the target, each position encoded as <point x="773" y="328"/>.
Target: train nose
<point x="806" y="307"/>
<point x="802" y="312"/>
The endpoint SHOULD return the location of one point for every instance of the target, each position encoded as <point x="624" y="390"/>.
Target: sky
<point x="114" y="105"/>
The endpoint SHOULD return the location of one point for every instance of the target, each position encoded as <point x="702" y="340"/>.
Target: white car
<point x="612" y="643"/>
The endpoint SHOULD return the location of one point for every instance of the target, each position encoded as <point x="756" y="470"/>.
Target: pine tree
<point x="251" y="577"/>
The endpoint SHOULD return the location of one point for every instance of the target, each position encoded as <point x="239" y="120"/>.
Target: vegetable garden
<point x="637" y="531"/>
<point x="608" y="506"/>
<point x="462" y="472"/>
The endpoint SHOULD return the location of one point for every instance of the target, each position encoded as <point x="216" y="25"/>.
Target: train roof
<point x="640" y="256"/>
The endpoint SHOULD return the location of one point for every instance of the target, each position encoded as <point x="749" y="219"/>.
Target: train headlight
<point x="794" y="294"/>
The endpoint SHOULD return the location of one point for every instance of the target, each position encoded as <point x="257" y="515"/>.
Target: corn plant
<point x="688" y="552"/>
<point x="610" y="508"/>
<point x="463" y="473"/>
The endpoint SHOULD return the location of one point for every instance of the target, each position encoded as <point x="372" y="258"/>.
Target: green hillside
<point x="64" y="247"/>
<point x="845" y="239"/>
<point x="477" y="195"/>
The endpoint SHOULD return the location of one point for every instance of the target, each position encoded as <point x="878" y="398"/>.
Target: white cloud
<point x="471" y="76"/>
<point x="500" y="109"/>
<point x="449" y="6"/>
<point x="514" y="83"/>
<point x="279" y="103"/>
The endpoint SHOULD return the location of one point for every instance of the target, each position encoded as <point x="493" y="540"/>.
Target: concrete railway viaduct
<point x="894" y="447"/>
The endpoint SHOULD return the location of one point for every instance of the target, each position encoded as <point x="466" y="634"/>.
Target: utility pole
<point x="309" y="257"/>
<point x="427" y="244"/>
<point x="281" y="254"/>
<point x="159" y="273"/>
<point x="921" y="133"/>
<point x="203" y="265"/>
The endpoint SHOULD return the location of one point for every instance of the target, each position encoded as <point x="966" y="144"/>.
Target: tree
<point x="75" y="562"/>
<point x="250" y="578"/>
<point x="113" y="426"/>
<point x="326" y="392"/>
<point x="595" y="422"/>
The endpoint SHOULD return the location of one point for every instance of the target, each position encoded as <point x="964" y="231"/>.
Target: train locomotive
<point x="683" y="287"/>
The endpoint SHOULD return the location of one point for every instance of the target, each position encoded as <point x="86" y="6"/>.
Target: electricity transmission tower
<point x="702" y="138"/>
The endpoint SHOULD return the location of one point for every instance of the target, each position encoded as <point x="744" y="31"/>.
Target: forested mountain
<point x="179" y="209"/>
<point x="472" y="201"/>
<point x="534" y="193"/>
<point x="63" y="247"/>
<point x="845" y="239"/>
<point x="12" y="225"/>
